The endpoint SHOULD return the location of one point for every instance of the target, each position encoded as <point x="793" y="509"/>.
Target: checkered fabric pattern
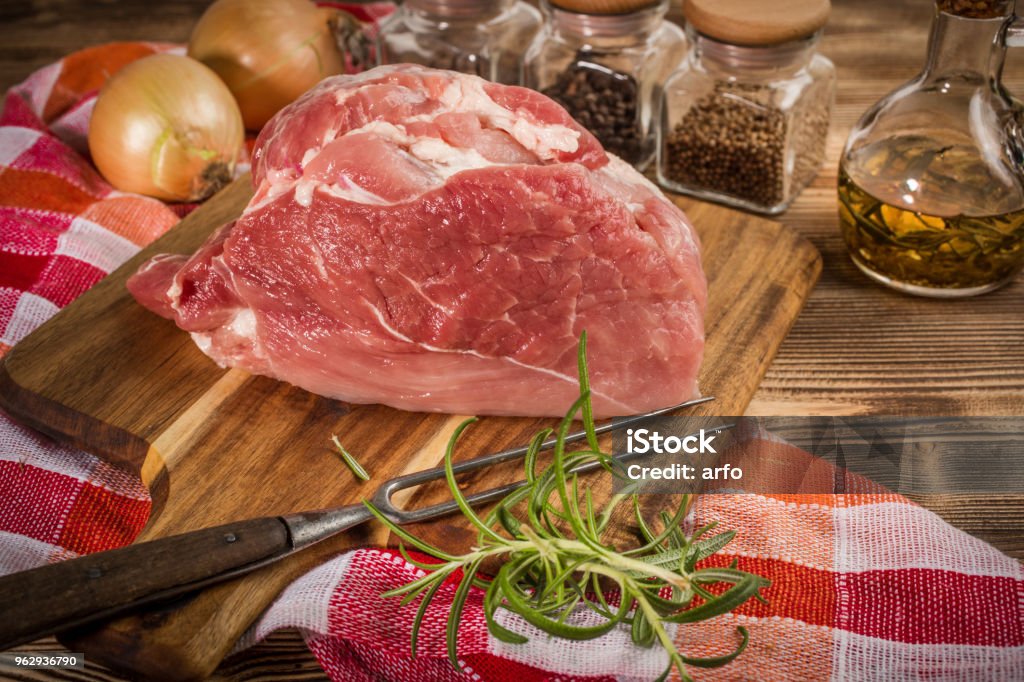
<point x="866" y="586"/>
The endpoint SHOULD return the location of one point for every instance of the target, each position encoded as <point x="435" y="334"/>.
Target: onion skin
<point x="267" y="51"/>
<point x="166" y="126"/>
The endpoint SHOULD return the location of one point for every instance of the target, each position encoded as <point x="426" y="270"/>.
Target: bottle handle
<point x="1013" y="36"/>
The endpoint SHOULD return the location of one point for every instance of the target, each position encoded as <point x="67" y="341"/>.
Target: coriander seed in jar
<point x="745" y="119"/>
<point x="605" y="62"/>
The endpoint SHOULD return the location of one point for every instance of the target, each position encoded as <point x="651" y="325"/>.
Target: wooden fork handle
<point x="77" y="592"/>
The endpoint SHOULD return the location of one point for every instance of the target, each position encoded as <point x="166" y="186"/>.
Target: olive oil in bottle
<point x="931" y="184"/>
<point x="908" y="220"/>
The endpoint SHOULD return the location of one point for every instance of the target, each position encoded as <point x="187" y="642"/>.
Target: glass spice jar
<point x="931" y="182"/>
<point x="480" y="37"/>
<point x="606" y="69"/>
<point x="745" y="119"/>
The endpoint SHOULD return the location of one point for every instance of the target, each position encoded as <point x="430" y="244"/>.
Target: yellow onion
<point x="166" y="126"/>
<point x="267" y="51"/>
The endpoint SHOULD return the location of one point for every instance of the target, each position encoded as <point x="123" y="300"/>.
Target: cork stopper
<point x="604" y="6"/>
<point x="756" y="22"/>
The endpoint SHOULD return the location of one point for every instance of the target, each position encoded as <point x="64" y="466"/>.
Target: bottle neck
<point x="600" y="29"/>
<point x="726" y="61"/>
<point x="965" y="48"/>
<point x="460" y="9"/>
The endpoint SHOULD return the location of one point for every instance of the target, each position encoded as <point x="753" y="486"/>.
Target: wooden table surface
<point x="857" y="348"/>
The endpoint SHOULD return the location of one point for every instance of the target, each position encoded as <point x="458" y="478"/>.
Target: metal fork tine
<point x="382" y="497"/>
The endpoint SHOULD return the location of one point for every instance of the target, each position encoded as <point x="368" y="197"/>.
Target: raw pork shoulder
<point x="432" y="241"/>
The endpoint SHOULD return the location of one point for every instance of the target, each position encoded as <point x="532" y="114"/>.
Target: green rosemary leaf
<point x="556" y="607"/>
<point x="641" y="522"/>
<point x="719" y="661"/>
<point x="492" y="601"/>
<point x="407" y="537"/>
<point x="564" y="576"/>
<point x="665" y="606"/>
<point x="724" y="574"/>
<point x="703" y="530"/>
<point x="705" y="548"/>
<point x="421" y="612"/>
<point x="558" y="466"/>
<point x="703" y="593"/>
<point x="453" y="485"/>
<point x="641" y="631"/>
<point x="353" y="465"/>
<point x="675" y="662"/>
<point x="411" y="595"/>
<point x="455" y="614"/>
<point x="724" y="603"/>
<point x="599" y="593"/>
<point x="530" y="463"/>
<point x="588" y="505"/>
<point x="507" y="504"/>
<point x="509" y="522"/>
<point x="415" y="562"/>
<point x="671" y="523"/>
<point x="587" y="409"/>
<point x="417" y="585"/>
<point x="565" y="631"/>
<point x="609" y="509"/>
<point x="668" y="557"/>
<point x="568" y="607"/>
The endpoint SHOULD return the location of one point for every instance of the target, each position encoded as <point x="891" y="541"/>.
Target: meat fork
<point x="93" y="588"/>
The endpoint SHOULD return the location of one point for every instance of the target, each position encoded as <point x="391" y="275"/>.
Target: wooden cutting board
<point x="219" y="445"/>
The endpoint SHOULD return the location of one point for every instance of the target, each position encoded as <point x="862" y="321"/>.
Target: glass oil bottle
<point x="931" y="188"/>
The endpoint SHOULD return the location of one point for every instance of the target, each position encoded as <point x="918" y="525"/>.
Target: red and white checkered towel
<point x="865" y="586"/>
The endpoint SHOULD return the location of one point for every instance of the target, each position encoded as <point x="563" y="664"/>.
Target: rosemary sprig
<point x="557" y="561"/>
<point x="350" y="461"/>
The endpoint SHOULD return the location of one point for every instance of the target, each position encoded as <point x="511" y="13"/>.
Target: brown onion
<point x="267" y="51"/>
<point x="166" y="126"/>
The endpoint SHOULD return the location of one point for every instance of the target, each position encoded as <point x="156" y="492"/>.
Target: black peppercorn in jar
<point x="745" y="119"/>
<point x="606" y="65"/>
<point x="481" y="37"/>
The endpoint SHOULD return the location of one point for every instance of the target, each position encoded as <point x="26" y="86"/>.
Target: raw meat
<point x="435" y="242"/>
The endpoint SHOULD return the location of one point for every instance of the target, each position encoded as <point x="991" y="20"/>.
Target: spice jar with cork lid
<point x="481" y="37"/>
<point x="605" y="61"/>
<point x="745" y="119"/>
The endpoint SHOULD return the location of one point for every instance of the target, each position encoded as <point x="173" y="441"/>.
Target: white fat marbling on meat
<point x="243" y="323"/>
<point x="619" y="171"/>
<point x="445" y="159"/>
<point x="432" y="153"/>
<point x="174" y="292"/>
<point x="205" y="343"/>
<point x="350" y="191"/>
<point x="543" y="139"/>
<point x="276" y="183"/>
<point x="304" y="192"/>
